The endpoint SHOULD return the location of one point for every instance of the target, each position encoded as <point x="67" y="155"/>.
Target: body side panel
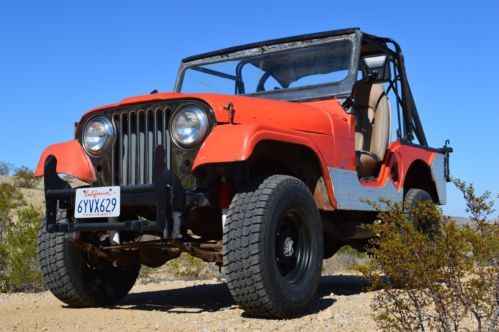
<point x="352" y="194"/>
<point x="438" y="175"/>
<point x="343" y="125"/>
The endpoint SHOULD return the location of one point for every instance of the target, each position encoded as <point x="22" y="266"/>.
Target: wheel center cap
<point x="288" y="247"/>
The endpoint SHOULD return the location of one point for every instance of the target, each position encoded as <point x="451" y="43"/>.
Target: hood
<point x="316" y="117"/>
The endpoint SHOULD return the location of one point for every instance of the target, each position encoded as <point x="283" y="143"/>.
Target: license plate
<point x="99" y="202"/>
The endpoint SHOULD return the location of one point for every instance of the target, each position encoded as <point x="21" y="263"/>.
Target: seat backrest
<point x="372" y="110"/>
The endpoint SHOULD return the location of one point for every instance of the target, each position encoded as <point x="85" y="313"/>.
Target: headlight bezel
<point x="111" y="133"/>
<point x="204" y="119"/>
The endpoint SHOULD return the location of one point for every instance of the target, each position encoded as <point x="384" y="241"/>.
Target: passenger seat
<point x="372" y="128"/>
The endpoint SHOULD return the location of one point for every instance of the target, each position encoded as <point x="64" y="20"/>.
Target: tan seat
<point x="372" y="128"/>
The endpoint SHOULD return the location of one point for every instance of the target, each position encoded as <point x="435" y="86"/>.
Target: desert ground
<point x="188" y="306"/>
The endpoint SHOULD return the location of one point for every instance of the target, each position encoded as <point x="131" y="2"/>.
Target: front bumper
<point x="59" y="195"/>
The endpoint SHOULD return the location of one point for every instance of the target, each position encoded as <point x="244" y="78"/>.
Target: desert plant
<point x="10" y="198"/>
<point x="346" y="259"/>
<point x="5" y="168"/>
<point x="434" y="281"/>
<point x="486" y="250"/>
<point x="18" y="262"/>
<point x="19" y="250"/>
<point x="186" y="266"/>
<point x="25" y="177"/>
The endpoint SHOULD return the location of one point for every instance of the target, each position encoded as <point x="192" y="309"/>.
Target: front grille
<point x="140" y="130"/>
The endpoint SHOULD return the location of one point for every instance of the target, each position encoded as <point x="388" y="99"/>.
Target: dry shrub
<point x="25" y="178"/>
<point x="10" y="198"/>
<point x="346" y="259"/>
<point x="434" y="281"/>
<point x="186" y="266"/>
<point x="18" y="261"/>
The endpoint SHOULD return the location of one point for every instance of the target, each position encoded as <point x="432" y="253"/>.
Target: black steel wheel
<point x="273" y="247"/>
<point x="292" y="254"/>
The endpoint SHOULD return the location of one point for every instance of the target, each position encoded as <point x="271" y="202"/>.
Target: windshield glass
<point x="270" y="70"/>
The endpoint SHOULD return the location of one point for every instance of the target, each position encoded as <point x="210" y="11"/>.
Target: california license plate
<point x="98" y="202"/>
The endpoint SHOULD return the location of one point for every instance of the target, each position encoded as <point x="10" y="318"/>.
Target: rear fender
<point x="233" y="143"/>
<point x="71" y="160"/>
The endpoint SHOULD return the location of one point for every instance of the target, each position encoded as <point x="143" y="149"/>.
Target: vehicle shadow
<point x="216" y="297"/>
<point x="342" y="285"/>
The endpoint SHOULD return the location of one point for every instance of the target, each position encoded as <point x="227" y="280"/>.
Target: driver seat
<point x="372" y="128"/>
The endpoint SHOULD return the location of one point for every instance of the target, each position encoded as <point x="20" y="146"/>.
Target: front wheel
<point x="75" y="279"/>
<point x="273" y="247"/>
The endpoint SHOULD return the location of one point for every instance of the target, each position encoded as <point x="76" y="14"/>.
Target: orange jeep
<point x="264" y="160"/>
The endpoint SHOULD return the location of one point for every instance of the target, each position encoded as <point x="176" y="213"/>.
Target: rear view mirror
<point x="377" y="68"/>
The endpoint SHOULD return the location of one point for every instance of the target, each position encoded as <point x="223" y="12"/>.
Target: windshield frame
<point x="338" y="89"/>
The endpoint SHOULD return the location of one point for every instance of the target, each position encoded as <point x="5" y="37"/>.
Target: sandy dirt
<point x="188" y="306"/>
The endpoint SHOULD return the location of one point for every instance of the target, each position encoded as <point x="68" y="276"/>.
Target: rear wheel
<point x="75" y="279"/>
<point x="413" y="198"/>
<point x="273" y="247"/>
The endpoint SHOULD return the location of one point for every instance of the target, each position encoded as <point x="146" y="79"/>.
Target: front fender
<point x="71" y="160"/>
<point x="229" y="143"/>
<point x="232" y="143"/>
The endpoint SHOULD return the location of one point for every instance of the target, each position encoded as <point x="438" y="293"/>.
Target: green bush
<point x="434" y="281"/>
<point x="25" y="178"/>
<point x="10" y="198"/>
<point x="186" y="266"/>
<point x="18" y="261"/>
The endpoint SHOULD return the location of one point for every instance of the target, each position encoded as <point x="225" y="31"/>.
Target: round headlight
<point x="189" y="126"/>
<point x="98" y="132"/>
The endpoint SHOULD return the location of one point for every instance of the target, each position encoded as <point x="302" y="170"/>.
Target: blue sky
<point x="59" y="59"/>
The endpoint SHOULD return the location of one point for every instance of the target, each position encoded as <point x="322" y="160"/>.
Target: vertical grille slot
<point x="140" y="131"/>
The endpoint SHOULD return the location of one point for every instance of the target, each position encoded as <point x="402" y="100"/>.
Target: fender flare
<point x="71" y="160"/>
<point x="233" y="143"/>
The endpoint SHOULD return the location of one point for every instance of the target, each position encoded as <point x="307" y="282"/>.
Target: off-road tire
<point x="412" y="199"/>
<point x="260" y="284"/>
<point x="69" y="276"/>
